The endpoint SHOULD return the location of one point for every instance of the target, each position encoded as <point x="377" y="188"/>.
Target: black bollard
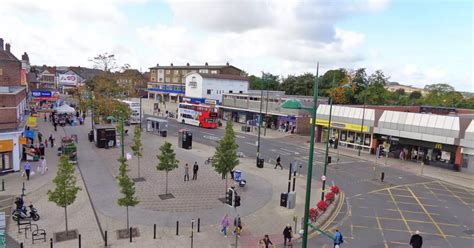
<point x="21" y="245"/>
<point x="105" y="238"/>
<point x="177" y="228"/>
<point x="79" y="241"/>
<point x="51" y="243"/>
<point x="130" y="234"/>
<point x="154" y="231"/>
<point x="3" y="184"/>
<point x="382" y="176"/>
<point x="199" y="224"/>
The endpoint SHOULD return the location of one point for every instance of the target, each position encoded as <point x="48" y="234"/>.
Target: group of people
<point x="64" y="119"/>
<point x="286" y="127"/>
<point x="237" y="225"/>
<point x="27" y="168"/>
<point x="195" y="171"/>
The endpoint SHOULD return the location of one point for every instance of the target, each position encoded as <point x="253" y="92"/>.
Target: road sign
<point x="323" y="178"/>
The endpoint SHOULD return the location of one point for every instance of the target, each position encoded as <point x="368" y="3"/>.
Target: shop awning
<point x="65" y="109"/>
<point x="349" y="116"/>
<point x="426" y="127"/>
<point x="468" y="140"/>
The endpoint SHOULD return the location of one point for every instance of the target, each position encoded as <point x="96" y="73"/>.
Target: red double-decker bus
<point x="198" y="115"/>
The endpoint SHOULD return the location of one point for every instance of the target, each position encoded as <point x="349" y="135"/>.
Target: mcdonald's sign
<point x="438" y="146"/>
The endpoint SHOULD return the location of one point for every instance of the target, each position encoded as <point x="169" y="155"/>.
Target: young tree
<point x="168" y="161"/>
<point x="105" y="62"/>
<point x="137" y="146"/>
<point x="127" y="187"/>
<point x="66" y="190"/>
<point x="225" y="158"/>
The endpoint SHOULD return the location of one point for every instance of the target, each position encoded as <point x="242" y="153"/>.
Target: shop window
<point x="351" y="137"/>
<point x="208" y="92"/>
<point x="367" y="139"/>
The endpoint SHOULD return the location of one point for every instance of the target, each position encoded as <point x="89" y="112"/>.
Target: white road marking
<point x="240" y="137"/>
<point x="290" y="151"/>
<point x="208" y="133"/>
<point x="251" y="143"/>
<point x="211" y="137"/>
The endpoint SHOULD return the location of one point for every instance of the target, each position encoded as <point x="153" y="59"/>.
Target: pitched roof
<point x="4" y="55"/>
<point x="224" y="76"/>
<point x="194" y="67"/>
<point x="85" y="72"/>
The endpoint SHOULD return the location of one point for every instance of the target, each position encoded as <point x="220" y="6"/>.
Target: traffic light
<point x="229" y="196"/>
<point x="237" y="201"/>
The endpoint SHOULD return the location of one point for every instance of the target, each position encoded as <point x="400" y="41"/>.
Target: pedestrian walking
<point x="55" y="124"/>
<point x="287" y="234"/>
<point x="278" y="162"/>
<point x="266" y="242"/>
<point x="45" y="117"/>
<point x="416" y="241"/>
<point x="27" y="168"/>
<point x="338" y="239"/>
<point x="237" y="225"/>
<point x="43" y="166"/>
<point x="40" y="137"/>
<point x="51" y="140"/>
<point x="46" y="143"/>
<point x="195" y="170"/>
<point x="225" y="224"/>
<point x="186" y="173"/>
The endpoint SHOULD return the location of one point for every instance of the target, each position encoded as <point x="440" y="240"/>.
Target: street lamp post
<point x="260" y="120"/>
<point x="294" y="104"/>
<point x="362" y="129"/>
<point x="327" y="151"/>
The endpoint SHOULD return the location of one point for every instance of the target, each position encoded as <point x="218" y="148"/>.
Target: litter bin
<point x="185" y="139"/>
<point x="237" y="175"/>
<point x="283" y="199"/>
<point x="248" y="129"/>
<point x="91" y="136"/>
<point x="163" y="133"/>
<point x="260" y="162"/>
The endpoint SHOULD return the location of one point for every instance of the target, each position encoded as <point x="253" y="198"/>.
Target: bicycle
<point x="209" y="160"/>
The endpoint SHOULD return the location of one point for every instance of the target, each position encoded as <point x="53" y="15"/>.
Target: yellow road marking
<point x="408" y="196"/>
<point x="399" y="186"/>
<point x="413" y="203"/>
<point x="336" y="212"/>
<point x="428" y="214"/>
<point x="381" y="231"/>
<point x="459" y="198"/>
<point x="399" y="211"/>
<point x="409" y="211"/>
<point x="409" y="220"/>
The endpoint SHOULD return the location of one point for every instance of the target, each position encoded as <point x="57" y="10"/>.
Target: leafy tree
<point x="378" y="78"/>
<point x="270" y="83"/>
<point x="225" y="157"/>
<point x="168" y="161"/>
<point x="415" y="95"/>
<point x="360" y="80"/>
<point x="375" y="94"/>
<point x="439" y="88"/>
<point x="105" y="62"/>
<point x="127" y="188"/>
<point x="66" y="190"/>
<point x="330" y="80"/>
<point x="298" y="85"/>
<point x="137" y="146"/>
<point x="442" y="95"/>
<point x="467" y="102"/>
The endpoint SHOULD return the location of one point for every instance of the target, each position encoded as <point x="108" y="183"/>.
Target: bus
<point x="135" y="111"/>
<point x="198" y="115"/>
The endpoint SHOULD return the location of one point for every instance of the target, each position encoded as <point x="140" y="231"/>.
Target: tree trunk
<point x="65" y="214"/>
<point x="138" y="157"/>
<point x="128" y="225"/>
<point x="226" y="184"/>
<point x="166" y="191"/>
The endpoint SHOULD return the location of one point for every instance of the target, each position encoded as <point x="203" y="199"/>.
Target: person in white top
<point x="43" y="167"/>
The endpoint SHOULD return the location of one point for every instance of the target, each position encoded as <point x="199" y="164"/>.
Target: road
<point x="376" y="214"/>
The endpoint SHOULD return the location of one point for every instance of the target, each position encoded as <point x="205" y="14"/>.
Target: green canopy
<point x="110" y="118"/>
<point x="292" y="104"/>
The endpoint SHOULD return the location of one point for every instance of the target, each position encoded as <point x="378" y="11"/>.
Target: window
<point x="167" y="80"/>
<point x="183" y="72"/>
<point x="176" y="72"/>
<point x="231" y="91"/>
<point x="161" y="80"/>
<point x="204" y="71"/>
<point x="208" y="92"/>
<point x="167" y="72"/>
<point x="240" y="92"/>
<point x="1" y="71"/>
<point x="214" y="72"/>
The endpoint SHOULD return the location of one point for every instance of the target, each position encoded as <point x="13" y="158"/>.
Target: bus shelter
<point x="157" y="126"/>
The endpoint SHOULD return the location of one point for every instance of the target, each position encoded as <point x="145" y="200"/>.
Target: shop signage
<point x="6" y="145"/>
<point x="68" y="79"/>
<point x="438" y="146"/>
<point x="38" y="93"/>
<point x="210" y="101"/>
<point x="345" y="126"/>
<point x="22" y="140"/>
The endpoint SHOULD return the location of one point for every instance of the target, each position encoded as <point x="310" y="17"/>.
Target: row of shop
<point x="432" y="139"/>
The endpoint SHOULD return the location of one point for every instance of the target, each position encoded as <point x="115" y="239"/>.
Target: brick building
<point x="168" y="81"/>
<point x="12" y="109"/>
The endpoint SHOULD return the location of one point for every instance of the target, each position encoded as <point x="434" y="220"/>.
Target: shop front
<point x="351" y="127"/>
<point x="9" y="152"/>
<point x="44" y="100"/>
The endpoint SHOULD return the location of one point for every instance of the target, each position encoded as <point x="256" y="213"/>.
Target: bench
<point x="38" y="234"/>
<point x="24" y="224"/>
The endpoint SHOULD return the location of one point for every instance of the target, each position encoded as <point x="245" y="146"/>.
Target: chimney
<point x="206" y="64"/>
<point x="171" y="64"/>
<point x="157" y="64"/>
<point x="227" y="63"/>
<point x="187" y="64"/>
<point x="25" y="57"/>
<point x="1" y="44"/>
<point x="7" y="47"/>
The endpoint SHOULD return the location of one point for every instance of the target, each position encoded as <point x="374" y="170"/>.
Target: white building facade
<point x="209" y="88"/>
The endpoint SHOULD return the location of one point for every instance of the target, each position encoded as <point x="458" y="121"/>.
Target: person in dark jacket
<point x="266" y="241"/>
<point x="287" y="234"/>
<point x="195" y="170"/>
<point x="416" y="240"/>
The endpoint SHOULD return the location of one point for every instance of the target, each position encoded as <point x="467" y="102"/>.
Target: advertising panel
<point x="67" y="79"/>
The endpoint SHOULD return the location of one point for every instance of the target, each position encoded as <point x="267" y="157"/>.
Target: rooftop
<point x="188" y="66"/>
<point x="224" y="76"/>
<point x="11" y="89"/>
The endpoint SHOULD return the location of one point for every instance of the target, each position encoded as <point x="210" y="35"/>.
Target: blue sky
<point x="414" y="42"/>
